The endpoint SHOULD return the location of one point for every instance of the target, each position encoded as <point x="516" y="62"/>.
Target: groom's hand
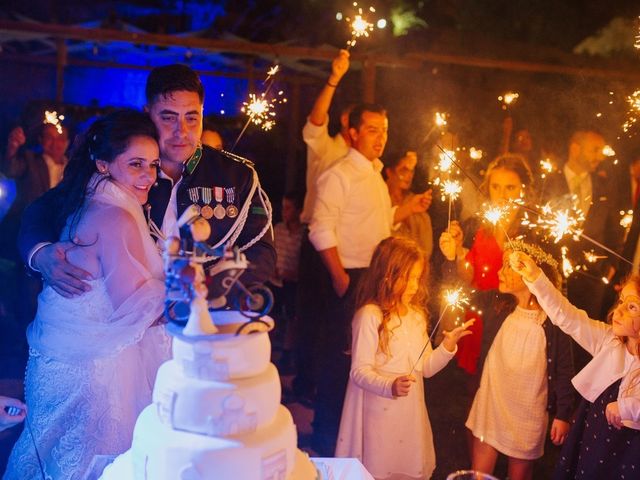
<point x="66" y="279"/>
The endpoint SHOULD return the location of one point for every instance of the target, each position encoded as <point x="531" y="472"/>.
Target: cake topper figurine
<point x="192" y="293"/>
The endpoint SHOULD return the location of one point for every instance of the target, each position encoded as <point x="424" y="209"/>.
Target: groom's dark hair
<point x="172" y="78"/>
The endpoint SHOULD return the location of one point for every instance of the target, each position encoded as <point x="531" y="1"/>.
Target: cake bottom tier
<point x="270" y="453"/>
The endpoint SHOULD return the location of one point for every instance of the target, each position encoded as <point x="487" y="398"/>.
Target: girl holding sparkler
<point x="527" y="374"/>
<point x="604" y="441"/>
<point x="384" y="420"/>
<point x="508" y="179"/>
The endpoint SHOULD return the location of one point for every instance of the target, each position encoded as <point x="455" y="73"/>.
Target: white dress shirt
<point x="323" y="151"/>
<point x="169" y="226"/>
<point x="352" y="211"/>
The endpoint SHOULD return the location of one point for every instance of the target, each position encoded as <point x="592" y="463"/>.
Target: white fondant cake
<point x="216" y="413"/>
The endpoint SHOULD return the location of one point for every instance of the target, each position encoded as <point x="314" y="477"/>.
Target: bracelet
<point x="331" y="84"/>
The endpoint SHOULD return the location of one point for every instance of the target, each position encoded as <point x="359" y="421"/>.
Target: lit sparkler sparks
<point x="493" y="214"/>
<point x="567" y="268"/>
<point x="451" y="189"/>
<point x="633" y="112"/>
<point x="591" y="256"/>
<point x="360" y="26"/>
<point x="607" y="151"/>
<point x="637" y="42"/>
<point x="455" y="299"/>
<point x="260" y="111"/>
<point x="475" y="153"/>
<point x="627" y="218"/>
<point x="260" y="108"/>
<point x="54" y="119"/>
<point x="440" y="119"/>
<point x="508" y="99"/>
<point x="447" y="159"/>
<point x="561" y="222"/>
<point x="546" y="166"/>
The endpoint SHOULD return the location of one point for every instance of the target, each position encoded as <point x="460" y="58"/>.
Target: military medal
<point x="218" y="211"/>
<point x="232" y="210"/>
<point x="194" y="196"/>
<point x="206" y="211"/>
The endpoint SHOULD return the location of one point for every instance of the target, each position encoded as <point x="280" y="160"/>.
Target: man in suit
<point x="219" y="185"/>
<point x="592" y="192"/>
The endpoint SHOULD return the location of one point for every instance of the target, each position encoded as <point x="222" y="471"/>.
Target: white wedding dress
<point x="93" y="358"/>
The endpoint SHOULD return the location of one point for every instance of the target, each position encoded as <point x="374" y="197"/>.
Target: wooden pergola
<point x="564" y="64"/>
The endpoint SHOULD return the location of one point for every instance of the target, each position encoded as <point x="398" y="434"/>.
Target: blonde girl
<point x="384" y="420"/>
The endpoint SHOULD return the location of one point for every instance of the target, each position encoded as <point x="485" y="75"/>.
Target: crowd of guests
<point x="361" y="320"/>
<point x="357" y="264"/>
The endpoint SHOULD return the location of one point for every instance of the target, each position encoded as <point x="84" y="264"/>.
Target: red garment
<point x="485" y="256"/>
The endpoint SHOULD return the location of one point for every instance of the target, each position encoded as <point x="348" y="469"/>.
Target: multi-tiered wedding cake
<point x="216" y="414"/>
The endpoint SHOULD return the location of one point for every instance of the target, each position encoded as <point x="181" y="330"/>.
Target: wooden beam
<point x="409" y="60"/>
<point x="71" y="32"/>
<point x="76" y="62"/>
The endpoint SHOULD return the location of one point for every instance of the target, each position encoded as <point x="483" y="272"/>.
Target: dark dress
<point x="594" y="450"/>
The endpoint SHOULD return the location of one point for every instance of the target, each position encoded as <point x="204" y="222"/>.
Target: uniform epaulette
<point x="237" y="158"/>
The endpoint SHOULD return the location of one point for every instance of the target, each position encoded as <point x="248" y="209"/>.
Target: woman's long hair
<point x="106" y="138"/>
<point x="386" y="280"/>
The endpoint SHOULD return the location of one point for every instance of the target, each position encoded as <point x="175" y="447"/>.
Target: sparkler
<point x="591" y="256"/>
<point x="439" y="121"/>
<point x="627" y="218"/>
<point x="52" y="118"/>
<point x="455" y="299"/>
<point x="446" y="160"/>
<point x="493" y="214"/>
<point x="508" y="99"/>
<point x="452" y="189"/>
<point x="567" y="268"/>
<point x="475" y="154"/>
<point x="260" y="108"/>
<point x="633" y="111"/>
<point x="360" y="26"/>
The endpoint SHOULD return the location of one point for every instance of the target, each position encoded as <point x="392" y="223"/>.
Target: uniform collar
<point x="191" y="164"/>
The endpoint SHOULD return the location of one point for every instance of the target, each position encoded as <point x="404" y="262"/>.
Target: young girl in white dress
<point x="93" y="358"/>
<point x="384" y="420"/>
<point x="526" y="376"/>
<point x="604" y="440"/>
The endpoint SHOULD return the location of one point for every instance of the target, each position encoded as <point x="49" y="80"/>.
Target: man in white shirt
<point x="323" y="151"/>
<point x="351" y="215"/>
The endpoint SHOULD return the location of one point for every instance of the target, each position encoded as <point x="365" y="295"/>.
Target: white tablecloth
<point x="329" y="468"/>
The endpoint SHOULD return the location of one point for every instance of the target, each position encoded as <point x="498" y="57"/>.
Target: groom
<point x="191" y="174"/>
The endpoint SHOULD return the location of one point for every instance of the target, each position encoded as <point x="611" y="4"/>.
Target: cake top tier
<point x="226" y="354"/>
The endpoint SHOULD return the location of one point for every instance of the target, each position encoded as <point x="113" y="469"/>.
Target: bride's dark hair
<point x="106" y="138"/>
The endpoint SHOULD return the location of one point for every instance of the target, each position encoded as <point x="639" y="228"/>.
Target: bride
<point x="93" y="358"/>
